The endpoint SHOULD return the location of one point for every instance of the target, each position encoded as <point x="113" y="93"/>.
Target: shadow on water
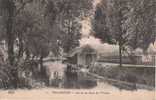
<point x="78" y="81"/>
<point x="74" y="80"/>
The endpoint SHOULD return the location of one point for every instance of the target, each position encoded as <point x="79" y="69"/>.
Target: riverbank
<point x="144" y="76"/>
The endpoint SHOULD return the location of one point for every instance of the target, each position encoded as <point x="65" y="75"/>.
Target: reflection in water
<point x="74" y="80"/>
<point x="71" y="77"/>
<point x="66" y="76"/>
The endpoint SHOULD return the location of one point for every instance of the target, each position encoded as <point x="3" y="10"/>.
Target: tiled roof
<point x="82" y="50"/>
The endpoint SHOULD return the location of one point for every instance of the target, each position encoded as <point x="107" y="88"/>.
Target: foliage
<point x="144" y="75"/>
<point x="69" y="13"/>
<point x="36" y="27"/>
<point x="141" y="23"/>
<point x="130" y="24"/>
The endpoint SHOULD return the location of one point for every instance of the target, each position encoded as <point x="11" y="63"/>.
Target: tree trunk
<point x="20" y="53"/>
<point x="10" y="49"/>
<point x="15" y="78"/>
<point x="10" y="38"/>
<point x="27" y="54"/>
<point x="10" y="35"/>
<point x="120" y="55"/>
<point x="41" y="61"/>
<point x="41" y="65"/>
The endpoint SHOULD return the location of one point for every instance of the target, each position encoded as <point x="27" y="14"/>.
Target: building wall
<point x="94" y="58"/>
<point x="81" y="60"/>
<point x="154" y="60"/>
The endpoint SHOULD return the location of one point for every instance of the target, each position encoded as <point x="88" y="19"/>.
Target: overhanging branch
<point x="23" y="5"/>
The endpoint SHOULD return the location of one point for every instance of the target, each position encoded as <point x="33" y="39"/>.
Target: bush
<point x="5" y="75"/>
<point x="143" y="75"/>
<point x="19" y="75"/>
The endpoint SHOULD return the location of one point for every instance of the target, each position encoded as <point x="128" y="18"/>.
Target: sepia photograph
<point x="77" y="49"/>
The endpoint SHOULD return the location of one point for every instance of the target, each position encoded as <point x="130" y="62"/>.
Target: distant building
<point x="84" y="55"/>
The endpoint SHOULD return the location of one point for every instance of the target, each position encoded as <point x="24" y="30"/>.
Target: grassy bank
<point x="143" y="75"/>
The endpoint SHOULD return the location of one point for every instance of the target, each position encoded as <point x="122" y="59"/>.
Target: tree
<point x="8" y="6"/>
<point x="24" y="23"/>
<point x="10" y="9"/>
<point x="142" y="23"/>
<point x="69" y="13"/>
<point x="100" y="23"/>
<point x="37" y="27"/>
<point x="109" y="21"/>
<point x="130" y="24"/>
